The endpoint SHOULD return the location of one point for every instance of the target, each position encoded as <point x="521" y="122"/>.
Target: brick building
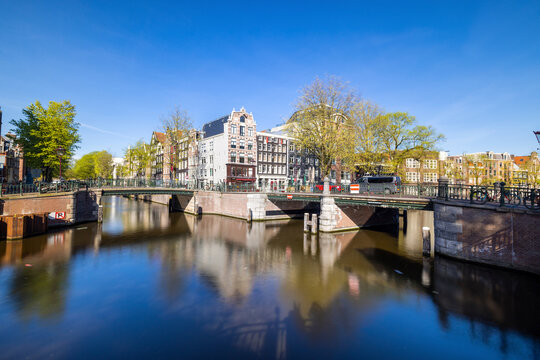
<point x="425" y="170"/>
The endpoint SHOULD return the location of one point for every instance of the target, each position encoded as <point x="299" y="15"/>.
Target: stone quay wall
<point x="488" y="234"/>
<point x="78" y="206"/>
<point x="257" y="207"/>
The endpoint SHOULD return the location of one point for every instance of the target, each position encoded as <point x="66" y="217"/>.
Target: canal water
<point x="149" y="284"/>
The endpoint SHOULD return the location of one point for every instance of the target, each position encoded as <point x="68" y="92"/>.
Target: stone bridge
<point x="490" y="234"/>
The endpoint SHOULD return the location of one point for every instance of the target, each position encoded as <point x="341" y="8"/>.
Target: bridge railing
<point x="41" y="187"/>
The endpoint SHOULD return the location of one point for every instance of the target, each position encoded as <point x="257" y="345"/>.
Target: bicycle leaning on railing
<point x="505" y="196"/>
<point x="531" y="200"/>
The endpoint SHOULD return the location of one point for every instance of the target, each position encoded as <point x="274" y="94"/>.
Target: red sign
<point x="355" y="188"/>
<point x="289" y="197"/>
<point x="60" y="215"/>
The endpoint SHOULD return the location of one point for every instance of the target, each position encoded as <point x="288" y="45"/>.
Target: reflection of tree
<point x="40" y="290"/>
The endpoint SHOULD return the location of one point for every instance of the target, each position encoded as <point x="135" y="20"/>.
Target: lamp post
<point x="537" y="134"/>
<point x="60" y="152"/>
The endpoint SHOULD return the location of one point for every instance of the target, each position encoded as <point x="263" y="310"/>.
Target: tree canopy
<point x="322" y="123"/>
<point x="43" y="130"/>
<point x="97" y="164"/>
<point x="333" y="123"/>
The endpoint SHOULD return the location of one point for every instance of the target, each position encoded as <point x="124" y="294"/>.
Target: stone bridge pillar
<point x="256" y="206"/>
<point x="99" y="207"/>
<point x="328" y="220"/>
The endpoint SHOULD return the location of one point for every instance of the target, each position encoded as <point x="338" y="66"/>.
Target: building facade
<point x="227" y="150"/>
<point x="272" y="160"/>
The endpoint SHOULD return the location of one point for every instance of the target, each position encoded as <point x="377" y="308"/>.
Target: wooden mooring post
<point x="426" y="241"/>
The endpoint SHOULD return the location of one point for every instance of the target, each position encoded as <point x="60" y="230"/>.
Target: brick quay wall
<point x="488" y="234"/>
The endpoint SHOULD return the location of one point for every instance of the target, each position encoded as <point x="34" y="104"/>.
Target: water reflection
<point x="258" y="290"/>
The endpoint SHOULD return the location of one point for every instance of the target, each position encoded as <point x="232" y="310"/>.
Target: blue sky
<point x="470" y="69"/>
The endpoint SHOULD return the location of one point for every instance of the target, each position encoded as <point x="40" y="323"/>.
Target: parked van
<point x="380" y="184"/>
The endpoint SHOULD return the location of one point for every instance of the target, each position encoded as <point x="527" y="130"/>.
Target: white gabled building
<point x="227" y="150"/>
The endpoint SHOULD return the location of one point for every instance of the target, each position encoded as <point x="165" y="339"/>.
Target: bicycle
<point x="481" y="196"/>
<point x="532" y="200"/>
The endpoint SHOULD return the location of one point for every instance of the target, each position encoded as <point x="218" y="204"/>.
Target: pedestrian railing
<point x="499" y="194"/>
<point x="41" y="187"/>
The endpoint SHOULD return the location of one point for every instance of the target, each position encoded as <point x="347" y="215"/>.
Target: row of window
<point x="242" y="158"/>
<point x="241" y="144"/>
<point x="272" y="169"/>
<point x="242" y="130"/>
<point x="271" y="139"/>
<point x="415" y="164"/>
<point x="415" y="177"/>
<point x="269" y="157"/>
<point x="272" y="147"/>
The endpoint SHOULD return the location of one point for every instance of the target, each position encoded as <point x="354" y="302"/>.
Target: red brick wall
<point x="488" y="234"/>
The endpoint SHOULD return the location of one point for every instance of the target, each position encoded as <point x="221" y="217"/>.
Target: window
<point x="233" y="129"/>
<point x="250" y="145"/>
<point x="233" y="143"/>
<point x="242" y="130"/>
<point x="211" y="159"/>
<point x="250" y="159"/>
<point x="430" y="164"/>
<point x="260" y="146"/>
<point x="211" y="172"/>
<point x="412" y="163"/>
<point x="242" y="144"/>
<point x="242" y="119"/>
<point x="250" y="131"/>
<point x="412" y="176"/>
<point x="233" y="156"/>
<point x="241" y="158"/>
<point x="430" y="177"/>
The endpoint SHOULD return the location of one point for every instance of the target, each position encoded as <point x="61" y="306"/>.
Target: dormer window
<point x="242" y="119"/>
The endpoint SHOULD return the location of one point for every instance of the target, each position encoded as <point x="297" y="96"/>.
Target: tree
<point x="369" y="130"/>
<point x="532" y="168"/>
<point x="140" y="157"/>
<point x="177" y="126"/>
<point x="103" y="164"/>
<point x="43" y="131"/>
<point x="85" y="167"/>
<point x="395" y="137"/>
<point x="476" y="166"/>
<point x="322" y="122"/>
<point x="400" y="140"/>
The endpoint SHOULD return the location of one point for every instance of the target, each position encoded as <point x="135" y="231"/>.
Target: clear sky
<point x="469" y="68"/>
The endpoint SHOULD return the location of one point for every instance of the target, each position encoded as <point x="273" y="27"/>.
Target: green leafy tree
<point x="43" y="130"/>
<point x="139" y="158"/>
<point x="103" y="164"/>
<point x="85" y="167"/>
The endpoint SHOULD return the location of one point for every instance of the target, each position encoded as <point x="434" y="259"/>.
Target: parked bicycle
<point x="482" y="195"/>
<point x="532" y="200"/>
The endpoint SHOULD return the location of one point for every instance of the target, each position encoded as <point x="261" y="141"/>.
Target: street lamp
<point x="60" y="151"/>
<point x="537" y="134"/>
